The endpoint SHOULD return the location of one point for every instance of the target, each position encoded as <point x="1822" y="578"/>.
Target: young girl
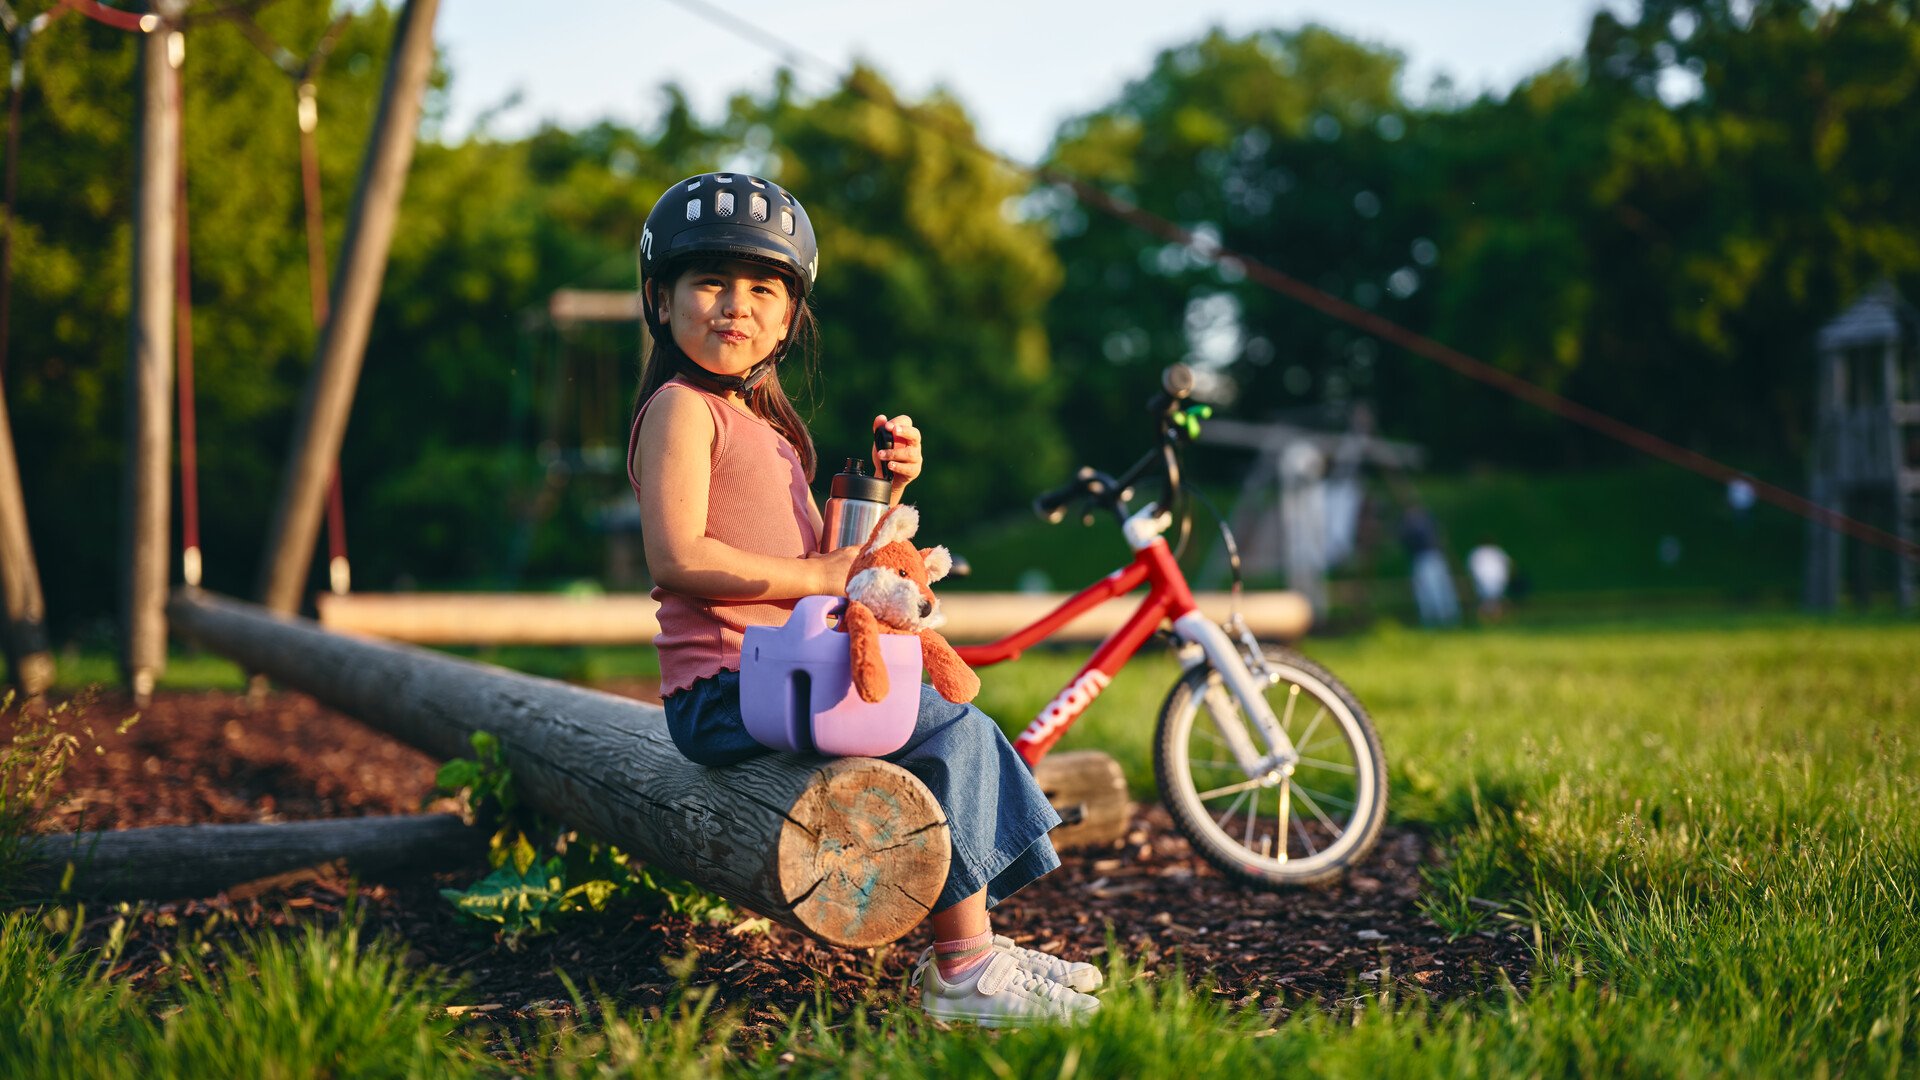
<point x="721" y="465"/>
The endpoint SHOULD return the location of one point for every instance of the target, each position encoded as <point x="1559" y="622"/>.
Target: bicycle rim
<point x="1272" y="828"/>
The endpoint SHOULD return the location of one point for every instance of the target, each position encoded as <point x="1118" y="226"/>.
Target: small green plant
<point x="31" y="763"/>
<point x="532" y="884"/>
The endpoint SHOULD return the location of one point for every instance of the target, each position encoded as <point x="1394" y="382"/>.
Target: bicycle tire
<point x="1186" y="782"/>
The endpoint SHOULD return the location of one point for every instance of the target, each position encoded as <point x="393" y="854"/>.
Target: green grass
<point x="1711" y="827"/>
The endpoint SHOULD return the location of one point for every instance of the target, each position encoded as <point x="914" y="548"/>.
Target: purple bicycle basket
<point x="796" y="687"/>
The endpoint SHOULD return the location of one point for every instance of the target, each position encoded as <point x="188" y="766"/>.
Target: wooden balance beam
<point x="851" y="850"/>
<point x="631" y="619"/>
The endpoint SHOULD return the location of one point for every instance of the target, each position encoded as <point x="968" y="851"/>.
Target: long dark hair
<point x="768" y="400"/>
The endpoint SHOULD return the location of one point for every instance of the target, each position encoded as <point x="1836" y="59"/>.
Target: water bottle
<point x="855" y="501"/>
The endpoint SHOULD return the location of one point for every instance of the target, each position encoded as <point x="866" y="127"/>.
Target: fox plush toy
<point x="888" y="593"/>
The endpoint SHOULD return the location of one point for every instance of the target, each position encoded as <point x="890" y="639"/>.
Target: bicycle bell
<point x="856" y="501"/>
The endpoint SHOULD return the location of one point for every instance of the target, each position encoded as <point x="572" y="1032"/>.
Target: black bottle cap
<point x="856" y="484"/>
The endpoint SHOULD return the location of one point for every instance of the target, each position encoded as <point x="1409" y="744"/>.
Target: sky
<point x="1019" y="66"/>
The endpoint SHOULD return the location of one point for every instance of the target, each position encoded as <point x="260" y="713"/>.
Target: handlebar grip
<point x="1052" y="505"/>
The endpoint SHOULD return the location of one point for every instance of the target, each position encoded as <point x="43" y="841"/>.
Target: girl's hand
<point x="907" y="455"/>
<point x="832" y="568"/>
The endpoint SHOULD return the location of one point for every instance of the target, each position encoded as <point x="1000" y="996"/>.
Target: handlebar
<point x="1177" y="424"/>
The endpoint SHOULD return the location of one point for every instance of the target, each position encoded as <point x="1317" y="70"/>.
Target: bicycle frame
<point x="1169" y="600"/>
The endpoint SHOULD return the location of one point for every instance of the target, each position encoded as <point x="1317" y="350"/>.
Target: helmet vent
<point x="723" y="178"/>
<point x="757" y="207"/>
<point x="693" y="209"/>
<point x="693" y="184"/>
<point x="723" y="204"/>
<point x="756" y="181"/>
<point x="786" y="222"/>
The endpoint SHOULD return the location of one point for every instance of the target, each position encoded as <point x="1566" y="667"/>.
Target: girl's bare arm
<point x="675" y="455"/>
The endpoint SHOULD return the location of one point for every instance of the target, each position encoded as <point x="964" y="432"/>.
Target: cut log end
<point x="864" y="853"/>
<point x="1089" y="790"/>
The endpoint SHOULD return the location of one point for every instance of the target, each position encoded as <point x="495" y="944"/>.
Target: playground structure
<point x="1866" y="452"/>
<point x="1300" y="504"/>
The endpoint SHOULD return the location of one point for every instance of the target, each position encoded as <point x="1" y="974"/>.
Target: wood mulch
<point x="216" y="757"/>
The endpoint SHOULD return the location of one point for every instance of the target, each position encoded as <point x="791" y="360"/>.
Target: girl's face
<point x="728" y="315"/>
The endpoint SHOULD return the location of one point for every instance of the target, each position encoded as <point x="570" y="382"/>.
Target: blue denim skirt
<point x="997" y="816"/>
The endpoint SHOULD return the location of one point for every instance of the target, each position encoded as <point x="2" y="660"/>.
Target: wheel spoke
<point x="1306" y="738"/>
<point x="1324" y="797"/>
<point x="1253" y="818"/>
<point x="1301" y="829"/>
<point x="1331" y="766"/>
<point x="1286" y="790"/>
<point x="1231" y="807"/>
<point x="1315" y="807"/>
<point x="1244" y="785"/>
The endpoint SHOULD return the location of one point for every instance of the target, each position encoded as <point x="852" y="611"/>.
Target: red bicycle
<point x="1283" y="782"/>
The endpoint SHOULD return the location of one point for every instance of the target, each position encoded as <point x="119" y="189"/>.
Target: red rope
<point x="114" y="17"/>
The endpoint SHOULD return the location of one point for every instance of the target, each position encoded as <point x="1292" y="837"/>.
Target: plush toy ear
<point x="939" y="562"/>
<point x="899" y="523"/>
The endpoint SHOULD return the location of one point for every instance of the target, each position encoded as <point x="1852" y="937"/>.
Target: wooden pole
<point x="632" y="619"/>
<point x="25" y="632"/>
<point x="145" y="491"/>
<point x="177" y="861"/>
<point x="851" y="850"/>
<point x="322" y="420"/>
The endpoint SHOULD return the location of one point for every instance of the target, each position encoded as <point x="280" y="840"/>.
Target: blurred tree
<point x="1279" y="145"/>
<point x="931" y="295"/>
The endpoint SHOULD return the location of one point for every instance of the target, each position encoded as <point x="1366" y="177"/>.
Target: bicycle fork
<point x="1238" y="693"/>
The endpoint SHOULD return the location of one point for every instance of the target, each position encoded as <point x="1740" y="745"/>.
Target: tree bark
<point x="173" y="862"/>
<point x="851" y="850"/>
<point x="1090" y="793"/>
<point x="322" y="420"/>
<point x="24" y="634"/>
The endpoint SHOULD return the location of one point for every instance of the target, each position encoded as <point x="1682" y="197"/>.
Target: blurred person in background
<point x="1491" y="569"/>
<point x="1432" y="587"/>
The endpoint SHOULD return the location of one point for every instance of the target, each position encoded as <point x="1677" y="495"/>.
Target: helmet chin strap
<point x="716" y="383"/>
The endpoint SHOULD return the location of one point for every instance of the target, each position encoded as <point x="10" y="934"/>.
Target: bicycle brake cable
<point x="1236" y="624"/>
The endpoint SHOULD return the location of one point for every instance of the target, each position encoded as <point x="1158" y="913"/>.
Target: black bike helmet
<point x="727" y="215"/>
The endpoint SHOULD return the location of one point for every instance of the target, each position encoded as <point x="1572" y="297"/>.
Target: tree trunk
<point x="1090" y="793"/>
<point x="24" y="634"/>
<point x="178" y="861"/>
<point x="851" y="850"/>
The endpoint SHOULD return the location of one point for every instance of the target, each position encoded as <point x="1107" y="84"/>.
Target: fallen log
<point x="851" y="850"/>
<point x="177" y="861"/>
<point x="632" y="618"/>
<point x="1089" y="791"/>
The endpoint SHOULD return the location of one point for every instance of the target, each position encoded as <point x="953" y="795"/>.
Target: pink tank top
<point x="757" y="502"/>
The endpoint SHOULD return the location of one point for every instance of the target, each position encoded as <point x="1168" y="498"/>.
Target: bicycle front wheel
<point x="1266" y="825"/>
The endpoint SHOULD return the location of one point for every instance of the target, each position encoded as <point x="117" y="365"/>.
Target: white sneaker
<point x="1084" y="978"/>
<point x="1069" y="973"/>
<point x="1001" y="993"/>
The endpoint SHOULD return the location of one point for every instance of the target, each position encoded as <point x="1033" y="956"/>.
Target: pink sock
<point x="958" y="958"/>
